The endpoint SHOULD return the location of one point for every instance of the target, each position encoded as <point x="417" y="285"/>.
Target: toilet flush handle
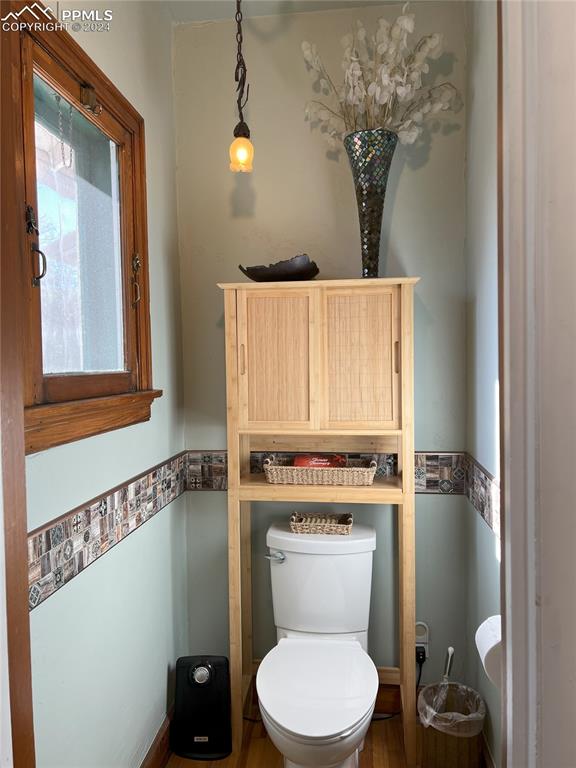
<point x="277" y="557"/>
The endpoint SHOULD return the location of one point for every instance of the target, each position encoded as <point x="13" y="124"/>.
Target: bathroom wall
<point x="103" y="646"/>
<point x="483" y="544"/>
<point x="299" y="199"/>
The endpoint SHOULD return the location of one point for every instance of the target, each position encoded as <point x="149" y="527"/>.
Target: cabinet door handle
<point x="396" y="357"/>
<point x="242" y="360"/>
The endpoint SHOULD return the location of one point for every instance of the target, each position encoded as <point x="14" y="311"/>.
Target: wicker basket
<point x="276" y="473"/>
<point x="340" y="525"/>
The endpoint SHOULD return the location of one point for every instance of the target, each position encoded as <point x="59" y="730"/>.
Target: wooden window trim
<point x="12" y="322"/>
<point x="64" y="408"/>
<point x="46" y="426"/>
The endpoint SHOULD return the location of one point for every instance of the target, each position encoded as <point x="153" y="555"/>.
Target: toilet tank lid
<point x="362" y="538"/>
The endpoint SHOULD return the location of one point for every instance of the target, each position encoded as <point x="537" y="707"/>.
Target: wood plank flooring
<point x="383" y="749"/>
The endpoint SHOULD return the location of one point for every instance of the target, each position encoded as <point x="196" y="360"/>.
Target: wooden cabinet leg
<point x="407" y="579"/>
<point x="246" y="575"/>
<point x="235" y="618"/>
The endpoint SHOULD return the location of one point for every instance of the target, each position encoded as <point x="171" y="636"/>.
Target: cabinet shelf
<point x="386" y="490"/>
<point x="343" y="433"/>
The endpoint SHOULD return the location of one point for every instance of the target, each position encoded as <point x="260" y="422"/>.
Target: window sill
<point x="46" y="426"/>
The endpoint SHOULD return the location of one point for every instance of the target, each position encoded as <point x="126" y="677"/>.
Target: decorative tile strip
<point x="207" y="471"/>
<point x="440" y="472"/>
<point x="435" y="472"/>
<point x="445" y="472"/>
<point x="483" y="492"/>
<point x="62" y="549"/>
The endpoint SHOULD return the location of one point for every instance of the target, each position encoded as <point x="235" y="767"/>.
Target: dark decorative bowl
<point x="297" y="268"/>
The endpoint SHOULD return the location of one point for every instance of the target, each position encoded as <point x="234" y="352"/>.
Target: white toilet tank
<point x="321" y="583"/>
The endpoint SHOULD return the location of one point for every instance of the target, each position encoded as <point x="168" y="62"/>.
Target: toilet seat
<point x="317" y="689"/>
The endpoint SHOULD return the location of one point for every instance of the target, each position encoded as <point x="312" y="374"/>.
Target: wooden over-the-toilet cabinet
<point x="325" y="365"/>
<point x="314" y="358"/>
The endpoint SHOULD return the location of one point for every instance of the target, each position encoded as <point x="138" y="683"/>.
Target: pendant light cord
<point x="241" y="71"/>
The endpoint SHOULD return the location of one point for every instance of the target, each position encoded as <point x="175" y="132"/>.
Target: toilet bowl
<point x="316" y="698"/>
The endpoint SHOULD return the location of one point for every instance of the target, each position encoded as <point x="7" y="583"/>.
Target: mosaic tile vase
<point x="370" y="153"/>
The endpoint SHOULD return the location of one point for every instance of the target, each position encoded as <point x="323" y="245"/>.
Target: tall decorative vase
<point x="370" y="153"/>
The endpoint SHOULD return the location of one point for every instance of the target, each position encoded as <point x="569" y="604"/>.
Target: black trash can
<point x="201" y="726"/>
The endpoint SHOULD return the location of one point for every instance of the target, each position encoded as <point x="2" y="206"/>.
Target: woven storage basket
<point x="319" y="523"/>
<point x="276" y="473"/>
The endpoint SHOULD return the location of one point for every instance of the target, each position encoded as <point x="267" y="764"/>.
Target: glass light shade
<point x="241" y="155"/>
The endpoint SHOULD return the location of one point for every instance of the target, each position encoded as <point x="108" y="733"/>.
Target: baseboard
<point x="486" y="754"/>
<point x="159" y="752"/>
<point x="388" y="675"/>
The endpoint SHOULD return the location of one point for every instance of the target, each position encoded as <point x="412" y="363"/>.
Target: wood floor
<point x="383" y="749"/>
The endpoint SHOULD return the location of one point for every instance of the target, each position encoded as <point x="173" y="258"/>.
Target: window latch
<point x="88" y="99"/>
<point x="31" y="226"/>
<point x="136" y="264"/>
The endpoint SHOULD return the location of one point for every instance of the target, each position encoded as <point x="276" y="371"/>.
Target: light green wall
<point x="483" y="600"/>
<point x="298" y="200"/>
<point x="483" y="546"/>
<point x="104" y="645"/>
<point x="104" y="648"/>
<point x="482" y="236"/>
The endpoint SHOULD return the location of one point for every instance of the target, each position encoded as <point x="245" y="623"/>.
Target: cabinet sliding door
<point x="361" y="359"/>
<point x="276" y="344"/>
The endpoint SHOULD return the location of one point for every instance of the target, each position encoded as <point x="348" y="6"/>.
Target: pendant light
<point x="241" y="149"/>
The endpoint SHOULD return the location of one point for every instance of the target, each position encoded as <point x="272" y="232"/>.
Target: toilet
<point x="317" y="687"/>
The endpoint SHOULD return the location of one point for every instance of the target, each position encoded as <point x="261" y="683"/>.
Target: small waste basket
<point x="453" y="718"/>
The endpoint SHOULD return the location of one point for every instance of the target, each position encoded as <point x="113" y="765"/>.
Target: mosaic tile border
<point x="483" y="492"/>
<point x="436" y="472"/>
<point x="60" y="550"/>
<point x="63" y="548"/>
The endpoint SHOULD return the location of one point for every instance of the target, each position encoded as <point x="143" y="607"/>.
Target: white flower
<point x="408" y="135"/>
<point x="373" y="89"/>
<point x="381" y="85"/>
<point x="311" y="56"/>
<point x="383" y="31"/>
<point x="406" y="22"/>
<point x="436" y="44"/>
<point x="445" y="95"/>
<point x="385" y="77"/>
<point x="404" y="92"/>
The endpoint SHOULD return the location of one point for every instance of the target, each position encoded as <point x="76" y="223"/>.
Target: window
<point x="88" y="366"/>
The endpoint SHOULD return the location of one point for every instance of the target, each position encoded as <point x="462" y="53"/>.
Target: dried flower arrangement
<point x="382" y="85"/>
